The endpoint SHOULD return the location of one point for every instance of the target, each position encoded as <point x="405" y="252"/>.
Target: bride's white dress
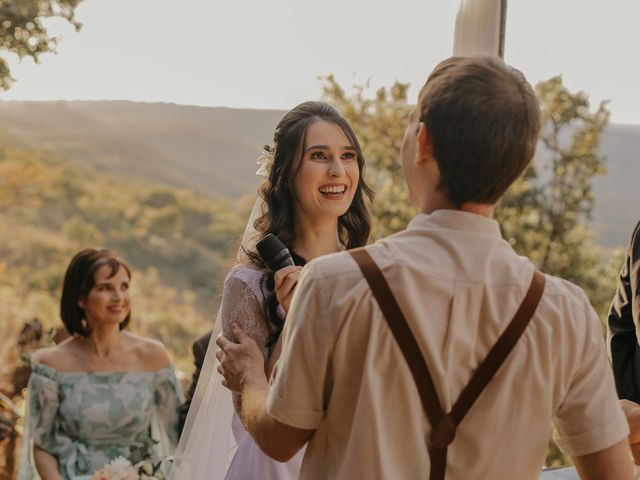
<point x="243" y="303"/>
<point x="249" y="463"/>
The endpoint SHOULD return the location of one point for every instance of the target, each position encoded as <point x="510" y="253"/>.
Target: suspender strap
<point x="402" y="334"/>
<point x="497" y="355"/>
<point x="444" y="425"/>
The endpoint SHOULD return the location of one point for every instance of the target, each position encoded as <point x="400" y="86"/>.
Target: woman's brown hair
<point x="78" y="282"/>
<point x="354" y="225"/>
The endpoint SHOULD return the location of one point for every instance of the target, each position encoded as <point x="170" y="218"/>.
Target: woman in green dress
<point x="97" y="393"/>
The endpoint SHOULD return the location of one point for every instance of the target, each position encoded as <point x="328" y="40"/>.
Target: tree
<point x="546" y="212"/>
<point x="23" y="30"/>
<point x="379" y="123"/>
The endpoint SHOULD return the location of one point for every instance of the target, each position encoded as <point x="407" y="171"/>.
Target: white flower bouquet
<point x="122" y="469"/>
<point x="139" y="465"/>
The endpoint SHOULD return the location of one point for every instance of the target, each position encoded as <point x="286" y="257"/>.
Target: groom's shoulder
<point x="341" y="266"/>
<point x="559" y="290"/>
<point x="331" y="266"/>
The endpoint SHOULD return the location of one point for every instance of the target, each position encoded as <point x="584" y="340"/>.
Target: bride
<point x="315" y="200"/>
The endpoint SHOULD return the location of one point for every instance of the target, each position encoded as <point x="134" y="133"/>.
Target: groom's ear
<point x="424" y="153"/>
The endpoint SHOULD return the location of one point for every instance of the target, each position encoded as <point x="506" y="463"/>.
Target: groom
<point x="343" y="383"/>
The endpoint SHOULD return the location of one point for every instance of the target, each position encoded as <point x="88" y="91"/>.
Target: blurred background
<point x="136" y="125"/>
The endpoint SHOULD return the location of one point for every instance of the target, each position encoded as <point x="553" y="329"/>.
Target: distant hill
<point x="617" y="208"/>
<point x="213" y="150"/>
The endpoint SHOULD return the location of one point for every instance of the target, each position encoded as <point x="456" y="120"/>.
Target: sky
<point x="271" y="53"/>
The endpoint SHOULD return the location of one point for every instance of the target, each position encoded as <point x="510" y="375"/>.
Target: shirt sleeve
<point x="589" y="419"/>
<point x="301" y="381"/>
<point x="41" y="421"/>
<point x="43" y="410"/>
<point x="241" y="305"/>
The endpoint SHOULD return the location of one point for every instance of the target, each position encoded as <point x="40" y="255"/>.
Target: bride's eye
<point x="348" y="156"/>
<point x="317" y="155"/>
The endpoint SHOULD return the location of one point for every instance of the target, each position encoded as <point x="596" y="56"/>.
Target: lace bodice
<point x="243" y="303"/>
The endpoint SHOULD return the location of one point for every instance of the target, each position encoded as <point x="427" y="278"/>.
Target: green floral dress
<point x="86" y="420"/>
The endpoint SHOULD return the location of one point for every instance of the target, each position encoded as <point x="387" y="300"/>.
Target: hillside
<point x="177" y="242"/>
<point x="210" y="150"/>
<point x="213" y="150"/>
<point x="617" y="208"/>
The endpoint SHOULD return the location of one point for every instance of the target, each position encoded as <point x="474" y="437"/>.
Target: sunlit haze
<point x="270" y="54"/>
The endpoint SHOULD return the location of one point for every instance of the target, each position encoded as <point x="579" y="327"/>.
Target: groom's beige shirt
<point x="459" y="284"/>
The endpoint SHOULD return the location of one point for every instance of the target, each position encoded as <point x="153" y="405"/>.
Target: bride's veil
<point x="207" y="444"/>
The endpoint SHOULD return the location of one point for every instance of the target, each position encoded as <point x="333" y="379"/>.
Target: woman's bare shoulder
<point x="62" y="357"/>
<point x="151" y="353"/>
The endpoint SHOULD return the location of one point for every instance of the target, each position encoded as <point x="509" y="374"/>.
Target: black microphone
<point x="274" y="253"/>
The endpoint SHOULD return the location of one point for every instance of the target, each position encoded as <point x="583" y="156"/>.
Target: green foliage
<point x="23" y="30"/>
<point x="177" y="242"/>
<point x="379" y="123"/>
<point x="83" y="232"/>
<point x="544" y="214"/>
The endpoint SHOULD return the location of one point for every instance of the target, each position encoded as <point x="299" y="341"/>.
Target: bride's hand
<point x="241" y="363"/>
<point x="285" y="282"/>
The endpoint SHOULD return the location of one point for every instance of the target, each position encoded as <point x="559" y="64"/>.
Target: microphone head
<point x="273" y="252"/>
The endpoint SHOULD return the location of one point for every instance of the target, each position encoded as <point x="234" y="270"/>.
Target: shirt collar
<point x="457" y="220"/>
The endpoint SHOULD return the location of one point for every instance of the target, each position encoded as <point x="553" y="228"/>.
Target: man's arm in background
<point x="199" y="349"/>
<point x="622" y="320"/>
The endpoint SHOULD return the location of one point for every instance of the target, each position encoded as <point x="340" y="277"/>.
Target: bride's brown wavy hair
<point x="354" y="226"/>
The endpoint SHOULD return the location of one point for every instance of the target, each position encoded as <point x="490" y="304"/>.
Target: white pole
<point x="480" y="28"/>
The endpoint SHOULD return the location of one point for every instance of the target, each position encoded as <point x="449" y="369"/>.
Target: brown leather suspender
<point x="444" y="424"/>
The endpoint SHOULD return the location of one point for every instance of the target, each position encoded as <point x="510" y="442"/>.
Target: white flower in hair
<point x="265" y="160"/>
